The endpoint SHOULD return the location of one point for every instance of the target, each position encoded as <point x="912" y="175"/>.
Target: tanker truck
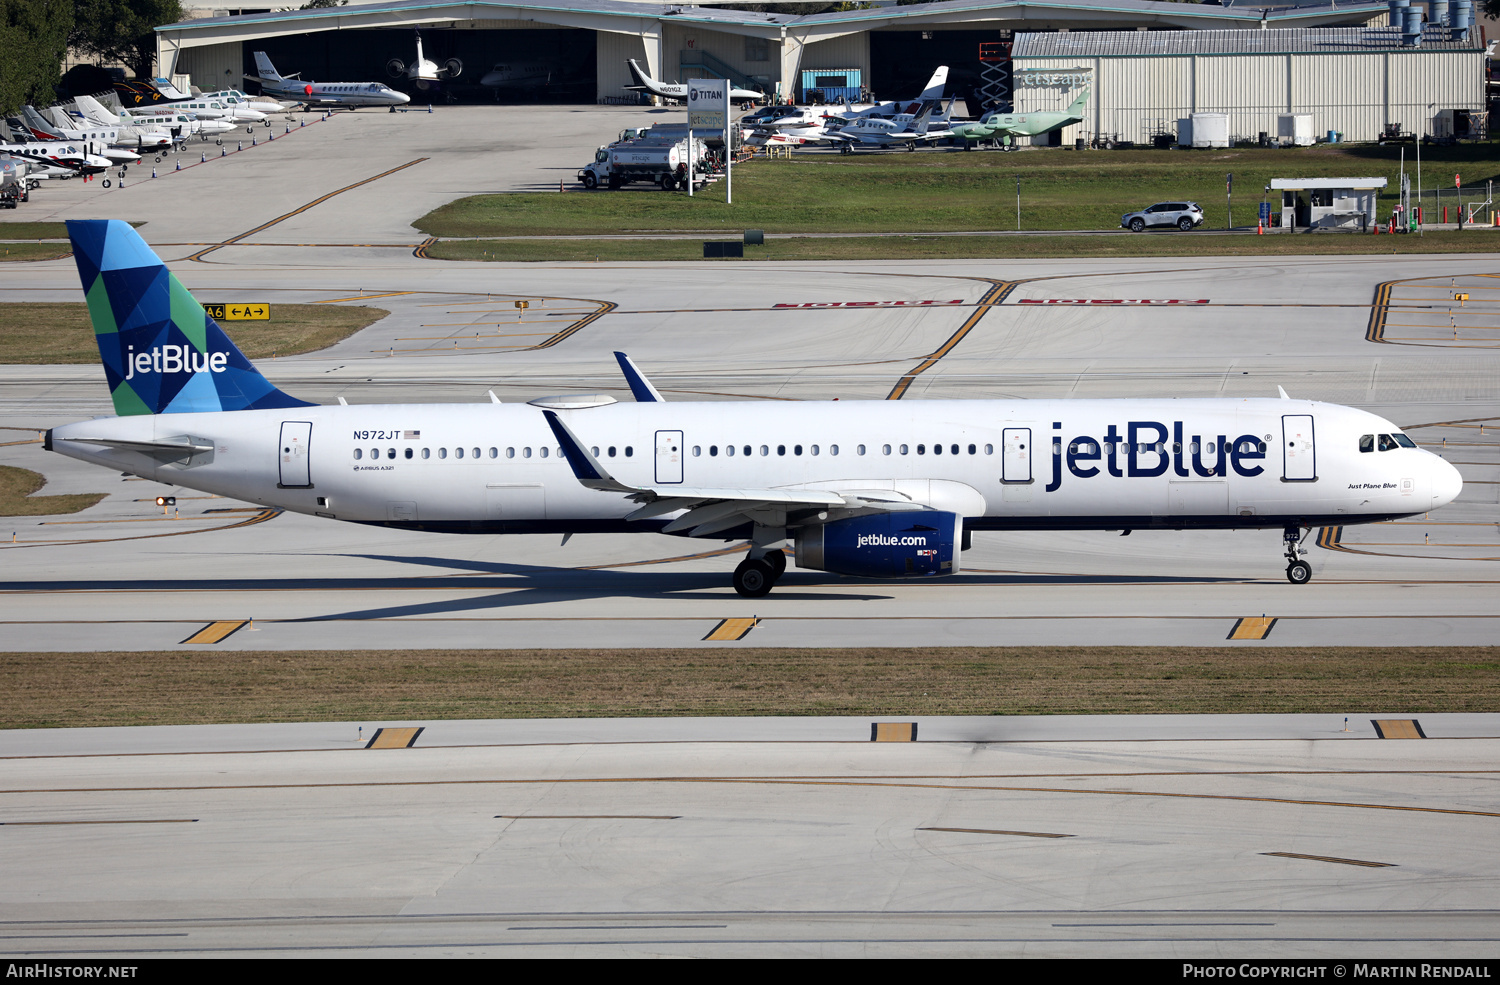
<point x="660" y="161"/>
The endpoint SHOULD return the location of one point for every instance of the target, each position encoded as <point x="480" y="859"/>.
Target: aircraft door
<point x="1298" y="450"/>
<point x="296" y="437"/>
<point x="668" y="456"/>
<point x="1015" y="465"/>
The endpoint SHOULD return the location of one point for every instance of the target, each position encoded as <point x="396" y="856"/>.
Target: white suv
<point x="1183" y="215"/>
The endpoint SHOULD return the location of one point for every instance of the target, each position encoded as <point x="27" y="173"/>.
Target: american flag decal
<point x="411" y="434"/>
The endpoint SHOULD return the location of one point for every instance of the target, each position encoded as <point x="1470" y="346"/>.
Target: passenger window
<point x="972" y="450"/>
<point x="476" y="452"/>
<point x="953" y="450"/>
<point x="921" y="450"/>
<point x="374" y="452"/>
<point x="764" y="451"/>
<point x="426" y="452"/>
<point x="814" y="449"/>
<point x="458" y="453"/>
<point x="713" y="451"/>
<point x="594" y="451"/>
<point x="358" y="454"/>
<point x="629" y="451"/>
<point x="390" y="453"/>
<point x="611" y="451"/>
<point x="697" y="451"/>
<point x="796" y="449"/>
<point x="526" y="452"/>
<point x="409" y="453"/>
<point x="442" y="453"/>
<point x="543" y="451"/>
<point x="494" y="452"/>
<point x="989" y="449"/>
<point x="747" y="451"/>
<point x="903" y="449"/>
<point x="781" y="449"/>
<point x="833" y="449"/>
<point x="729" y="451"/>
<point x="510" y="453"/>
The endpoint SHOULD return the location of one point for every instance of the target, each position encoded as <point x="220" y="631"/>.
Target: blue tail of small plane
<point x="162" y="353"/>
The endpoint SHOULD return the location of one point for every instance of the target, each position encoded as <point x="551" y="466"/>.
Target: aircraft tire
<point x="106" y="182"/>
<point x="753" y="579"/>
<point x="1299" y="572"/>
<point x="777" y="561"/>
<point x="219" y="143"/>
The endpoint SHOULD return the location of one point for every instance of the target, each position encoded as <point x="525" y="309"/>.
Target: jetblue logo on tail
<point x="175" y="359"/>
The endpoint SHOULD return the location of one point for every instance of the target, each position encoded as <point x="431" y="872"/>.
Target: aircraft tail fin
<point x="923" y="121"/>
<point x="936" y="84"/>
<point x="267" y="71"/>
<point x="94" y="111"/>
<point x="642" y="80"/>
<point x="1076" y="107"/>
<point x="162" y="353"/>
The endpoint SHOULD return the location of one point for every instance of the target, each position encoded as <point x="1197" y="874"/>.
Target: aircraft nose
<point x="1446" y="483"/>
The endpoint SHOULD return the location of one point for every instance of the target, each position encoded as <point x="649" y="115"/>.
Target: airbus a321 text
<point x="862" y="488"/>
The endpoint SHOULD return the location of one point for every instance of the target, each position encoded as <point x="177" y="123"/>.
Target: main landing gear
<point x="755" y="577"/>
<point x="1298" y="571"/>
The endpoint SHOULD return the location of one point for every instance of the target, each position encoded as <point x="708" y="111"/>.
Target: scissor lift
<point x="995" y="76"/>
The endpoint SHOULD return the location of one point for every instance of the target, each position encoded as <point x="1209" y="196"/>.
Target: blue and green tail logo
<point x="162" y="353"/>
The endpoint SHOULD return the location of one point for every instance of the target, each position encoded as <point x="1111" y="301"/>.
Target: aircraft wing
<point x="709" y="510"/>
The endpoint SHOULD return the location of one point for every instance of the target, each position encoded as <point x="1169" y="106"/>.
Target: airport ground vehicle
<point x="1183" y="215"/>
<point x="661" y="161"/>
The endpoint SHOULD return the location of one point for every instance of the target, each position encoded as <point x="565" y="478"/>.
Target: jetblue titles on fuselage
<point x="1146" y="453"/>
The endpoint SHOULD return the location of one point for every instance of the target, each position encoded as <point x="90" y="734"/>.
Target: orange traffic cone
<point x="1260" y="228"/>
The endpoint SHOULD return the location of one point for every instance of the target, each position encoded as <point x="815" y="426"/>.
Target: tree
<point x="33" y="40"/>
<point x="122" y="30"/>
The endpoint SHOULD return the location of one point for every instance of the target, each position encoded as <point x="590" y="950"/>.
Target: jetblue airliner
<point x="864" y="488"/>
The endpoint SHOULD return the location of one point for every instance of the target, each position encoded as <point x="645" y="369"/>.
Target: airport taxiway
<point x="1297" y="836"/>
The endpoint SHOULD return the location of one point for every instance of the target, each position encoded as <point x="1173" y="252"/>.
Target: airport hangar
<point x="889" y="51"/>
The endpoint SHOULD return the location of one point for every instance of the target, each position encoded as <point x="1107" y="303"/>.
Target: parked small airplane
<point x="678" y="90"/>
<point x="423" y="72"/>
<point x="350" y="95"/>
<point x="996" y="125"/>
<point x="100" y="140"/>
<point x="867" y="488"/>
<point x="140" y="134"/>
<point x="57" y="158"/>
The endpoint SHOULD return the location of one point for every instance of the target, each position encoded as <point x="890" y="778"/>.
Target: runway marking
<point x="605" y="307"/>
<point x="394" y="738"/>
<point x="217" y="632"/>
<point x="128" y="820"/>
<point x="732" y="629"/>
<point x="590" y="816"/>
<point x="421" y="251"/>
<point x="1398" y="728"/>
<point x="1330" y="858"/>
<point x="1381" y="305"/>
<point x="1252" y="628"/>
<point x="365" y="297"/>
<point x="298" y="211"/>
<point x="893" y="731"/>
<point x="782" y="781"/>
<point x="261" y="517"/>
<point x="993" y="831"/>
<point x="996" y="295"/>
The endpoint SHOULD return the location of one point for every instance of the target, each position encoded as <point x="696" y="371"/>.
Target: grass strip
<point x="206" y="685"/>
<point x="16" y="499"/>
<point x="58" y="332"/>
<point x="32" y="230"/>
<point x="967" y="247"/>
<point x="21" y="252"/>
<point x="950" y="190"/>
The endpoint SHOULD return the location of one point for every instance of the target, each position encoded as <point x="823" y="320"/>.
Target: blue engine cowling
<point x="885" y="545"/>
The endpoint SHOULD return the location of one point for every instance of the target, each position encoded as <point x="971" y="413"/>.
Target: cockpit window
<point x="1403" y="440"/>
<point x="1367" y="442"/>
<point x="1387" y="443"/>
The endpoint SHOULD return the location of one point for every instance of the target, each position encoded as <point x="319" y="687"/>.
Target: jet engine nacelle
<point x="884" y="545"/>
<point x="453" y="67"/>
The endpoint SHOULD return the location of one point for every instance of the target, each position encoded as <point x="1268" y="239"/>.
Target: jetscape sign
<point x="1112" y="301"/>
<point x="870" y="304"/>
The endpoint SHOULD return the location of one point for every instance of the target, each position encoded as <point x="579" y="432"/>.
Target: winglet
<point x="586" y="467"/>
<point x="1283" y="393"/>
<point x="641" y="387"/>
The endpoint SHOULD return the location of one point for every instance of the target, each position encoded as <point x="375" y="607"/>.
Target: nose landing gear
<point x="1298" y="571"/>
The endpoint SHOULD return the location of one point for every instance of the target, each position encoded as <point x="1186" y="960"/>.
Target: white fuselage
<point x="1043" y="464"/>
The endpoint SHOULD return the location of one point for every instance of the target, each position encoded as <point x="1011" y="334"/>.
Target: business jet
<point x="424" y="73"/>
<point x="678" y="90"/>
<point x="130" y="132"/>
<point x="863" y="488"/>
<point x="99" y="140"/>
<point x="348" y="95"/>
<point x="57" y="158"/>
<point x="997" y="125"/>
